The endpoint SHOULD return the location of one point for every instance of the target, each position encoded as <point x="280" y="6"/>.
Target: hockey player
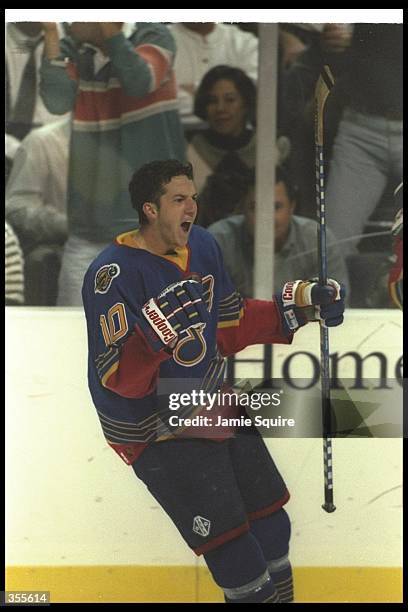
<point x="161" y="309"/>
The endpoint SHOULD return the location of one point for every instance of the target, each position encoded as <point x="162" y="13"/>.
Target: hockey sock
<point x="281" y="572"/>
<point x="273" y="534"/>
<point x="240" y="569"/>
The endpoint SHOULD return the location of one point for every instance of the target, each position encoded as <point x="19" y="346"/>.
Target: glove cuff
<point x="292" y="318"/>
<point x="298" y="293"/>
<point x="160" y="334"/>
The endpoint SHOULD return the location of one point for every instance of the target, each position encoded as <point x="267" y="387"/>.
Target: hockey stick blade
<point x="324" y="84"/>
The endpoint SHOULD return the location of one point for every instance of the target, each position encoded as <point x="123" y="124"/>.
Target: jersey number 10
<point x="115" y="325"/>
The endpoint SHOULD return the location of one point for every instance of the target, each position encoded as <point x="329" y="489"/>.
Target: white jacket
<point x="196" y="54"/>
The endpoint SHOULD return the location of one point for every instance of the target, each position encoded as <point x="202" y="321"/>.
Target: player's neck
<point x="146" y="239"/>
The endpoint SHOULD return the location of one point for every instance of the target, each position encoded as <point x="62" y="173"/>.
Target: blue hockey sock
<point x="280" y="571"/>
<point x="240" y="569"/>
<point x="273" y="534"/>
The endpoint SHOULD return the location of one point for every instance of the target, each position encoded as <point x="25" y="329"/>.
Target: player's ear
<point x="150" y="209"/>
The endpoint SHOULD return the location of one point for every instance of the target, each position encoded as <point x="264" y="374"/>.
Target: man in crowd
<point x="295" y="239"/>
<point x="118" y="80"/>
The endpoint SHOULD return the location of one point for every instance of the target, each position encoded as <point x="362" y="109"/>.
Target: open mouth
<point x="185" y="226"/>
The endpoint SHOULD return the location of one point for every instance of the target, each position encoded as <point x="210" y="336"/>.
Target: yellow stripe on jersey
<point x="128" y="239"/>
<point x="233" y="323"/>
<point x="230" y="311"/>
<point x="230" y="300"/>
<point x="109" y="373"/>
<point x="395" y="293"/>
<point x="180" y="257"/>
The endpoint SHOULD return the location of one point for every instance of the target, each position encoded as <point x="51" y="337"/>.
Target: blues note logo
<point x="105" y="276"/>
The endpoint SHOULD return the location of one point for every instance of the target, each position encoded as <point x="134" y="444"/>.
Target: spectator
<point x="118" y="79"/>
<point x="367" y="152"/>
<point x="290" y="47"/>
<point x="36" y="207"/>
<point x="226" y="98"/>
<point x="14" y="268"/>
<point x="37" y="188"/>
<point x="295" y="240"/>
<point x="224" y="191"/>
<point x="326" y="44"/>
<point x="24" y="107"/>
<point x="200" y="47"/>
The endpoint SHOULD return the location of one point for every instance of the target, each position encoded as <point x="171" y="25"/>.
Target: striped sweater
<point x="14" y="268"/>
<point x="124" y="115"/>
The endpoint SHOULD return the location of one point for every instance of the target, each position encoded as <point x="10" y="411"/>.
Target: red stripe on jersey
<point x="269" y="509"/>
<point x="222" y="539"/>
<point x="157" y="60"/>
<point x="128" y="452"/>
<point x="113" y="103"/>
<point x="138" y="368"/>
<point x="261" y="324"/>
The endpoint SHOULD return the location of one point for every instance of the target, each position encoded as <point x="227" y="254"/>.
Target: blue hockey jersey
<point x="128" y="381"/>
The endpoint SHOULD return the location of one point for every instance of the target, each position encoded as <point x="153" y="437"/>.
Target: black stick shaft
<point x="323" y="87"/>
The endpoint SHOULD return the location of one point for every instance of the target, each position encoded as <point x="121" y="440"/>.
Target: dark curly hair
<point x="148" y="182"/>
<point x="242" y="82"/>
<point x="224" y="190"/>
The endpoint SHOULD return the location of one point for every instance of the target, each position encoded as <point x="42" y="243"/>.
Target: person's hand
<point x="290" y="47"/>
<point x="302" y="301"/>
<point x="335" y="37"/>
<point x="179" y="307"/>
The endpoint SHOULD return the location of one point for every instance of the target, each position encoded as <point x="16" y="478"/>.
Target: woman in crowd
<point x="225" y="99"/>
<point x="223" y="153"/>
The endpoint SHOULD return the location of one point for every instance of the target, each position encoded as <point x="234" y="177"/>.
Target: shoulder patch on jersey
<point x="105" y="276"/>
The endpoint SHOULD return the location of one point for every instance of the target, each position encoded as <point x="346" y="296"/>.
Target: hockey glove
<point x="304" y="301"/>
<point x="395" y="278"/>
<point x="177" y="308"/>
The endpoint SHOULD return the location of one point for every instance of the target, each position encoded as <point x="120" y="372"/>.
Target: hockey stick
<point x="323" y="87"/>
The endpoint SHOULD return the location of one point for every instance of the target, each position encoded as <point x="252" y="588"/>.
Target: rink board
<point x="81" y="526"/>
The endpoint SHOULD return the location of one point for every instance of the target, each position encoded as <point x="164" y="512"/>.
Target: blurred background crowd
<point x="89" y="103"/>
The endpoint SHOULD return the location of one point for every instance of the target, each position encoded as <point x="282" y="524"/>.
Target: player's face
<point x="284" y="208"/>
<point x="226" y="109"/>
<point x="177" y="212"/>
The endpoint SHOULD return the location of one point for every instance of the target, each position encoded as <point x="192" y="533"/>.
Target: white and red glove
<point x="179" y="307"/>
<point x="395" y="276"/>
<point x="302" y="301"/>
